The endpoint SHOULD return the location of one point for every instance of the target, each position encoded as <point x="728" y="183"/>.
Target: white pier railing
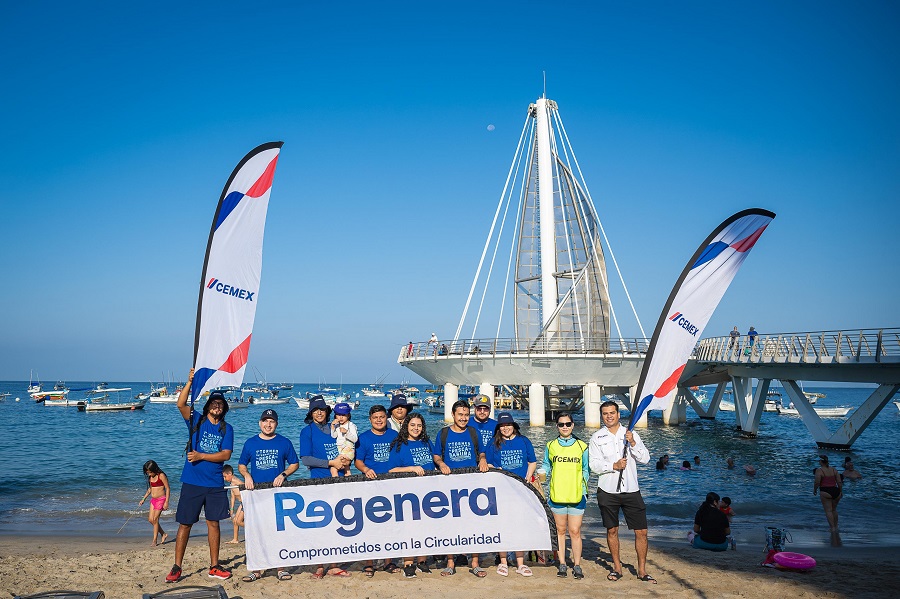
<point x="493" y="347"/>
<point x="823" y="347"/>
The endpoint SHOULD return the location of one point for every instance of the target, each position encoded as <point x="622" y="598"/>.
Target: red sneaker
<point x="174" y="574"/>
<point x="219" y="572"/>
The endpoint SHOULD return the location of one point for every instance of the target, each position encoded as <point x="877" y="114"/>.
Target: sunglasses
<point x="565" y="424"/>
<point x="482" y="408"/>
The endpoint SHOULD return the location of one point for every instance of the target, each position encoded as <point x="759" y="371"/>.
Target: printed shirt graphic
<point x="315" y="443"/>
<point x="266" y="459"/>
<point x="459" y="452"/>
<point x="211" y="440"/>
<point x="413" y="453"/>
<point x="374" y="450"/>
<point x="485" y="429"/>
<point x="513" y="455"/>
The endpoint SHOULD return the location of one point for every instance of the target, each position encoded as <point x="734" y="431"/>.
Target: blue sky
<point x="122" y="122"/>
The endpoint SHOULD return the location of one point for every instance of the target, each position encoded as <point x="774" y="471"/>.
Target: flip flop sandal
<point x="252" y="577"/>
<point x="448" y="571"/>
<point x="391" y="567"/>
<point x="478" y="572"/>
<point x="503" y="570"/>
<point x="283" y="575"/>
<point x="647" y="578"/>
<point x="369" y="571"/>
<point x="339" y="572"/>
<point x="319" y="574"/>
<point x="614" y="576"/>
<point x="524" y="571"/>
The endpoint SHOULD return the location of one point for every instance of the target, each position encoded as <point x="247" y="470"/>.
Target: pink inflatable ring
<point x="794" y="561"/>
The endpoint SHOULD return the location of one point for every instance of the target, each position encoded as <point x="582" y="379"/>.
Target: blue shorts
<point x="701" y="544"/>
<point x="568" y="509"/>
<point x="212" y="500"/>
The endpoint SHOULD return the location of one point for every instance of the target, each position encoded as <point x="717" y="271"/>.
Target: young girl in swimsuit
<point x="828" y="485"/>
<point x="158" y="490"/>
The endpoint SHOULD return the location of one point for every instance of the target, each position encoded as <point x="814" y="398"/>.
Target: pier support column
<point x="632" y="393"/>
<point x="536" y="405"/>
<point x="670" y="414"/>
<point x="488" y="389"/>
<point x="451" y="394"/>
<point x="593" y="397"/>
<point x="682" y="411"/>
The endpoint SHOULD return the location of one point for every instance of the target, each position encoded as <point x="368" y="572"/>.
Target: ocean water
<point x="70" y="472"/>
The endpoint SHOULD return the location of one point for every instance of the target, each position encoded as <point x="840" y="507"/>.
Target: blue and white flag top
<point x="691" y="304"/>
<point x="229" y="287"/>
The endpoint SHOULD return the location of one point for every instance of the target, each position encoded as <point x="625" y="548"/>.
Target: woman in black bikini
<point x="828" y="485"/>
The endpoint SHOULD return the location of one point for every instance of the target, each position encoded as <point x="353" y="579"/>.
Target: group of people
<point x="398" y="441"/>
<point x="828" y="484"/>
<point x="712" y="524"/>
<point x="735" y="335"/>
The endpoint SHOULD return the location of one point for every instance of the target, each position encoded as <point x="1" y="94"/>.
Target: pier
<point x="584" y="371"/>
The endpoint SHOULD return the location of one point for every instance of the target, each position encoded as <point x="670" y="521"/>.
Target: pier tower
<point x="555" y="342"/>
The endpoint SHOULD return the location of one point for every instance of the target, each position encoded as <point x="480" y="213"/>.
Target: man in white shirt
<point x="605" y="453"/>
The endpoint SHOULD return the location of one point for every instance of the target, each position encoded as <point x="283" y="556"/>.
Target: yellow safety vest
<point x="567" y="475"/>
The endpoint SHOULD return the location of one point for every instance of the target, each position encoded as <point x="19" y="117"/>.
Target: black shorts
<point x="212" y="500"/>
<point x="632" y="505"/>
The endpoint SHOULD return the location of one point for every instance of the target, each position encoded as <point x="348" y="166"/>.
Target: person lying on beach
<point x="158" y="490"/>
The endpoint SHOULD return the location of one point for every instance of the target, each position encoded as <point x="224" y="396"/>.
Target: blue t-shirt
<point x="459" y="452"/>
<point x="267" y="458"/>
<point x="372" y="450"/>
<point x="315" y="443"/>
<point x="513" y="455"/>
<point x="485" y="429"/>
<point x="412" y="453"/>
<point x="209" y="439"/>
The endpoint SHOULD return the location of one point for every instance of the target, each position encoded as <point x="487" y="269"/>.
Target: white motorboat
<point x="63" y="402"/>
<point x="4" y="396"/>
<point x="269" y="399"/>
<point x="372" y="391"/>
<point x="162" y="395"/>
<point x="53" y="396"/>
<point x="837" y="412"/>
<point x="302" y="403"/>
<point x="110" y="402"/>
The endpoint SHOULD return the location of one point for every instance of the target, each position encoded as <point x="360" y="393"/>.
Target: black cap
<point x="269" y="414"/>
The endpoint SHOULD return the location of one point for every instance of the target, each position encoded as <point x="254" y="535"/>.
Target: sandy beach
<point x="127" y="568"/>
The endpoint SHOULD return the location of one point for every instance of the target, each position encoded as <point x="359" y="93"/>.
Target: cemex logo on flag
<point x="679" y="319"/>
<point x="216" y="285"/>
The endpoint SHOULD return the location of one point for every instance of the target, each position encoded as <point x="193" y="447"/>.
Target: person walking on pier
<point x="734" y="334"/>
<point x="605" y="450"/>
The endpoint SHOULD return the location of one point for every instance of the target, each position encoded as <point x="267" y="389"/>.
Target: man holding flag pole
<point x="212" y="441"/>
<point x="603" y="450"/>
<point x="686" y="313"/>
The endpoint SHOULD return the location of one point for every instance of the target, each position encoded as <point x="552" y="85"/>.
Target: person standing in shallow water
<point x="212" y="441"/>
<point x="828" y="486"/>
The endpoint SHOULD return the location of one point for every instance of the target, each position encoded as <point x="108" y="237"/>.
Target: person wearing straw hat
<point x="267" y="458"/>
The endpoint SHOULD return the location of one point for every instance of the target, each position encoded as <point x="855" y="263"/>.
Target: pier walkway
<point x="611" y="367"/>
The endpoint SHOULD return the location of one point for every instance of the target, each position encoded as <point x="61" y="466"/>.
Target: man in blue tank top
<point x="202" y="484"/>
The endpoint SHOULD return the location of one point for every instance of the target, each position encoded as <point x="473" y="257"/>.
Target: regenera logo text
<point x="352" y="514"/>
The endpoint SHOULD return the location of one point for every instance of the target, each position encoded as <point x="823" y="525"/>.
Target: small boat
<point x="726" y="406"/>
<point x="302" y="403"/>
<point x="286" y="386"/>
<point x="110" y="402"/>
<point x="372" y="391"/>
<point x="162" y="395"/>
<point x="33" y="386"/>
<point x="838" y="412"/>
<point x="270" y="398"/>
<point x="63" y="402"/>
<point x="4" y="396"/>
<point x="54" y="397"/>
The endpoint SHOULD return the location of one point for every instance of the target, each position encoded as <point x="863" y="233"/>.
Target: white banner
<point x="422" y="515"/>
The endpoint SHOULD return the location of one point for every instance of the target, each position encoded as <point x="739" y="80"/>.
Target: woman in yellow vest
<point x="566" y="465"/>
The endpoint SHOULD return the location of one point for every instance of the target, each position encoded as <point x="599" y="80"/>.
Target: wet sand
<point x="129" y="567"/>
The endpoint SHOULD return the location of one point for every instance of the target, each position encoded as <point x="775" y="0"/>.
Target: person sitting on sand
<point x="158" y="490"/>
<point x="850" y="472"/>
<point x="711" y="527"/>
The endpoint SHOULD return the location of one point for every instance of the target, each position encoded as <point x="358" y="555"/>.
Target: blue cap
<point x="342" y="408"/>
